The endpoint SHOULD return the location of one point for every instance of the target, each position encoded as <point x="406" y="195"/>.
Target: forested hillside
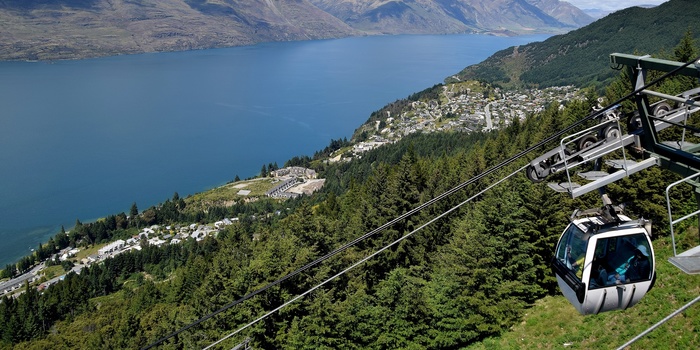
<point x="580" y="57"/>
<point x="468" y="277"/>
<point x="457" y="281"/>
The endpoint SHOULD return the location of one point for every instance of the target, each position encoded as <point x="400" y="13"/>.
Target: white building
<point x="155" y="241"/>
<point x="116" y="245"/>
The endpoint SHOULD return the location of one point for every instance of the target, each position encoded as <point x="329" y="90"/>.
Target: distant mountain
<point x="65" y="29"/>
<point x="600" y="13"/>
<point x="60" y="29"/>
<point x="596" y="13"/>
<point x="453" y="16"/>
<point x="581" y="57"/>
<point x="564" y="12"/>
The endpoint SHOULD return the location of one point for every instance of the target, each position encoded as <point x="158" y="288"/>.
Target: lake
<point x="85" y="139"/>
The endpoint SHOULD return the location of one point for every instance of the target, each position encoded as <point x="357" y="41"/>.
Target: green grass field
<point x="229" y="194"/>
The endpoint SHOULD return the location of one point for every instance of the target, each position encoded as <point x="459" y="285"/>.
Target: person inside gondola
<point x="571" y="262"/>
<point x="606" y="279"/>
<point x="601" y="278"/>
<point x="639" y="267"/>
<point x="617" y="278"/>
<point x="600" y="274"/>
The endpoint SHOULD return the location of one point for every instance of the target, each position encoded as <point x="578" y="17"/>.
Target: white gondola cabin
<point x="605" y="262"/>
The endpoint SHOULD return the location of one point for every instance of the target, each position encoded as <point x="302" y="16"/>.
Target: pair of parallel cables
<point x="411" y="212"/>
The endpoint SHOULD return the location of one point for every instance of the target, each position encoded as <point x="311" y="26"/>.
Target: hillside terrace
<point x="465" y="107"/>
<point x="294" y="181"/>
<point x="153" y="235"/>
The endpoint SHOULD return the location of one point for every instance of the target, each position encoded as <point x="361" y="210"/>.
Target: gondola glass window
<point x="621" y="260"/>
<point x="572" y="250"/>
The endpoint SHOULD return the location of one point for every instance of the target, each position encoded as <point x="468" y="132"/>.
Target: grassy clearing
<point x="84" y="253"/>
<point x="53" y="271"/>
<point x="554" y="324"/>
<point x="228" y="194"/>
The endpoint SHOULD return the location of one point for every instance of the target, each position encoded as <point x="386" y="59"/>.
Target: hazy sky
<point x="613" y="5"/>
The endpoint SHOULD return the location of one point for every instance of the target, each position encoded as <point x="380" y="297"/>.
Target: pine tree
<point x="134" y="211"/>
<point x="686" y="49"/>
<point x="134" y="220"/>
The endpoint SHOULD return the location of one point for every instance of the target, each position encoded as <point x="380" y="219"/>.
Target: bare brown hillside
<point x="70" y="29"/>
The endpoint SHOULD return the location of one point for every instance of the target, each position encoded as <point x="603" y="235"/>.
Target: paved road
<point x="489" y="123"/>
<point x="18" y="282"/>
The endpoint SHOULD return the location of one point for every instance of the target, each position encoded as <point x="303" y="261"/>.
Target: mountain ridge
<point x="106" y="28"/>
<point x="514" y="16"/>
<point x="73" y="29"/>
<point x="580" y="57"/>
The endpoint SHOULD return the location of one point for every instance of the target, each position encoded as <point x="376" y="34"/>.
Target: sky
<point x="611" y="5"/>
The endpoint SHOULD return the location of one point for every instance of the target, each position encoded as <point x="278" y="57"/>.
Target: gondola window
<point x="573" y="250"/>
<point x="621" y="260"/>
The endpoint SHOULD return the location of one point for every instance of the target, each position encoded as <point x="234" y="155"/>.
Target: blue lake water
<point x="84" y="139"/>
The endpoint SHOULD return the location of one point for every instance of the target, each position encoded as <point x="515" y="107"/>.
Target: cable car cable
<point x="415" y="210"/>
<point x="359" y="262"/>
<point x="366" y="235"/>
<point x="664" y="320"/>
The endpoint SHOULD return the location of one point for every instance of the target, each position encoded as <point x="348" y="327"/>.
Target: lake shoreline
<point x="90" y="137"/>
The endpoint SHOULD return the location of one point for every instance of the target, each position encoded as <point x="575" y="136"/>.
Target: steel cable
<point x="411" y="212"/>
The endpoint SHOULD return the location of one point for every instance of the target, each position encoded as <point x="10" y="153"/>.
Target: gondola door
<point x="568" y="263"/>
<point x="620" y="271"/>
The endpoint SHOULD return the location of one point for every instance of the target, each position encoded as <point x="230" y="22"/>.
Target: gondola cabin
<point x="605" y="262"/>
